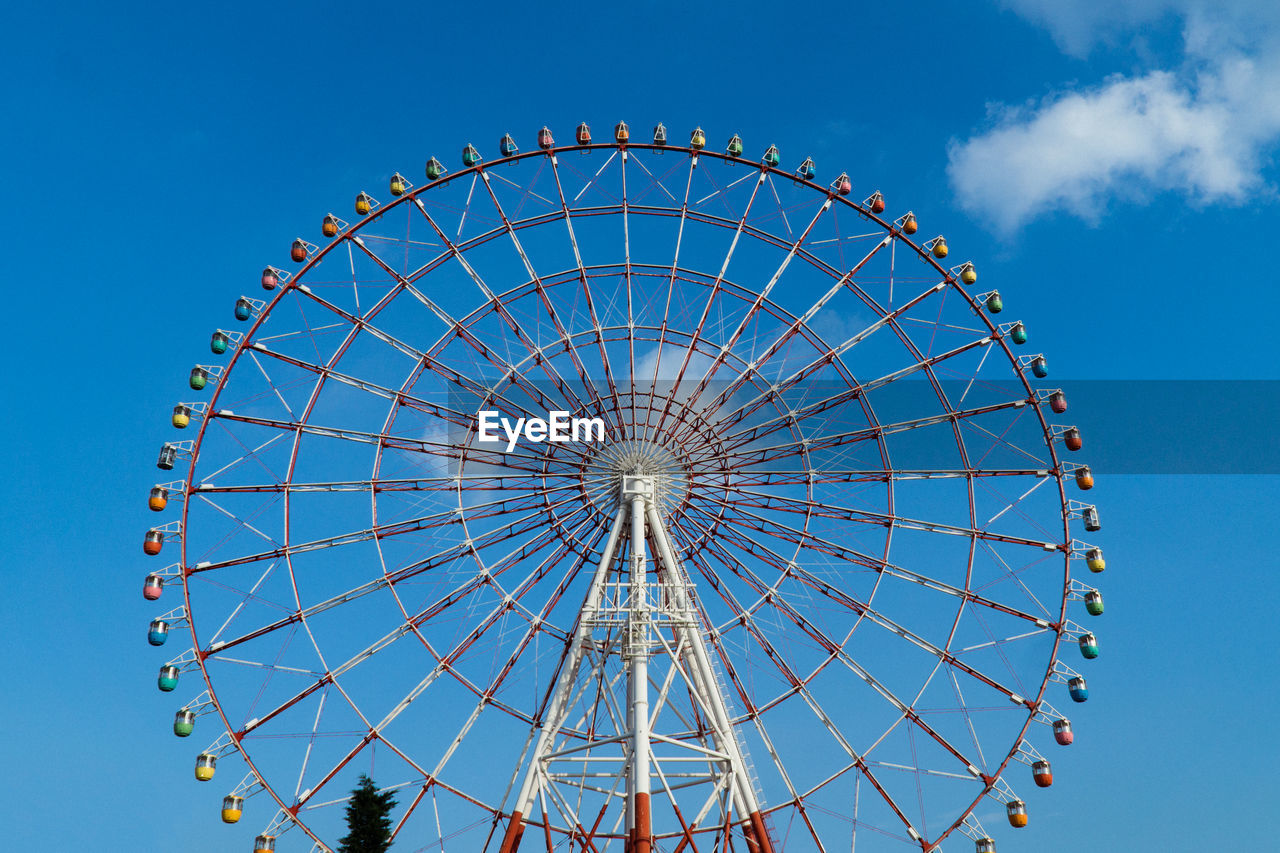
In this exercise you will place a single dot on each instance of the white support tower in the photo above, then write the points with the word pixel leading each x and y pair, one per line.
pixel 638 725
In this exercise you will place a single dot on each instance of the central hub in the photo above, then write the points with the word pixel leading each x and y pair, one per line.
pixel 625 468
pixel 637 486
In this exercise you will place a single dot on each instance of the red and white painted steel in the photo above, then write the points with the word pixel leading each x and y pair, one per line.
pixel 848 542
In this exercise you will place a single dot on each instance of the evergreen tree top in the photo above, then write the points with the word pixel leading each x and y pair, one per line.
pixel 368 819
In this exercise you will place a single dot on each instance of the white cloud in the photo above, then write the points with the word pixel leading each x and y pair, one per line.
pixel 1209 27
pixel 1078 26
pixel 1203 130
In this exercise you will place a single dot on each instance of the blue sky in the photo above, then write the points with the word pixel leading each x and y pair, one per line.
pixel 1113 170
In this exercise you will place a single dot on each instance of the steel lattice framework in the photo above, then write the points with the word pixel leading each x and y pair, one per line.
pixel 810 589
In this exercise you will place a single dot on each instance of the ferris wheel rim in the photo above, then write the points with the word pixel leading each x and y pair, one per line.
pixel 480 168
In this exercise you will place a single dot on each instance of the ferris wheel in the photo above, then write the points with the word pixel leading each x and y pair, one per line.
pixel 625 496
